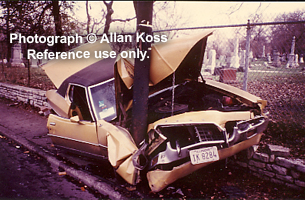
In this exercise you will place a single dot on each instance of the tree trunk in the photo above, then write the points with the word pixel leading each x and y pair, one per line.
pixel 108 16
pixel 88 17
pixel 58 26
pixel 9 45
pixel 141 72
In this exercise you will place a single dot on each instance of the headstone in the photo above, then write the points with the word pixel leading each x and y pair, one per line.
pixel 34 63
pixel 276 59
pixel 212 61
pixel 296 60
pixel 301 59
pixel 269 58
pixel 205 58
pixel 43 61
pixel 264 52
pixel 16 56
pixel 228 61
pixel 235 58
pixel 222 60
pixel 292 58
pixel 283 58
pixel 3 61
pixel 251 56
pixel 242 61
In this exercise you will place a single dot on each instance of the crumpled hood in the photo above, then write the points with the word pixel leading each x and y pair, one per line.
pixel 183 56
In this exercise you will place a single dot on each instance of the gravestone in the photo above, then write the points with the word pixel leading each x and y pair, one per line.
pixel 228 61
pixel 16 56
pixel 301 59
pixel 251 56
pixel 282 58
pixel 205 59
pixel 212 61
pixel 264 52
pixel 242 61
pixel 296 60
pixel 42 62
pixel 235 58
pixel 276 59
pixel 34 63
pixel 292 58
pixel 222 60
pixel 269 58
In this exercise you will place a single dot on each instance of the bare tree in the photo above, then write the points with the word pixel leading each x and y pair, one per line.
pixel 108 15
pixel 88 17
pixel 58 25
pixel 281 35
pixel 166 16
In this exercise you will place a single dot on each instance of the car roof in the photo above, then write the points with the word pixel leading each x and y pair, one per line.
pixel 97 72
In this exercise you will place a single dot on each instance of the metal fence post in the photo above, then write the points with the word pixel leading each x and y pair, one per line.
pixel 245 81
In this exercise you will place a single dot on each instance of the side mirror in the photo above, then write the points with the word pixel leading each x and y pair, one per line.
pixel 75 119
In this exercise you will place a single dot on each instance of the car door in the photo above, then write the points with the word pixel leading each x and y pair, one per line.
pixel 78 132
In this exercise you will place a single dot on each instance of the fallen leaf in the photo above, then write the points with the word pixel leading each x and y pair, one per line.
pixel 62 173
pixel 131 188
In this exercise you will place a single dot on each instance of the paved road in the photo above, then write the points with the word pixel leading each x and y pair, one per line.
pixel 28 128
pixel 26 176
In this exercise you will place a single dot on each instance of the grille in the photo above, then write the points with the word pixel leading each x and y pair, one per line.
pixel 208 133
pixel 191 134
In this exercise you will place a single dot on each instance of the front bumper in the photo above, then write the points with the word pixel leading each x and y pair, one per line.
pixel 159 179
pixel 244 130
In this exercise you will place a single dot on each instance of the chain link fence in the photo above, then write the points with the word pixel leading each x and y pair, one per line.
pixel 267 60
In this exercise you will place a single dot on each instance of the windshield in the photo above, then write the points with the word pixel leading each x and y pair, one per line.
pixel 103 99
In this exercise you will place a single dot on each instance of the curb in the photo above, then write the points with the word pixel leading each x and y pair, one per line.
pixel 89 180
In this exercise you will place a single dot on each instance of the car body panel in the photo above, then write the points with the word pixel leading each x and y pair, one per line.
pixel 59 104
pixel 163 62
pixel 78 135
pixel 159 179
pixel 121 147
pixel 236 92
pixel 209 116
pixel 174 75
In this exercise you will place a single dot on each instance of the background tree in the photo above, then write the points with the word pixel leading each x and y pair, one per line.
pixel 36 17
pixel 282 34
pixel 166 16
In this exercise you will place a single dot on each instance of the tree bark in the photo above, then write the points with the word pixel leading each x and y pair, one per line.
pixel 108 16
pixel 9 45
pixel 58 26
pixel 141 72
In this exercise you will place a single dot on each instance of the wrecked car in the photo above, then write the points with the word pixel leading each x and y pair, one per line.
pixel 192 122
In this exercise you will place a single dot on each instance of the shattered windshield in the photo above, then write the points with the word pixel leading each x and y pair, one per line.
pixel 103 100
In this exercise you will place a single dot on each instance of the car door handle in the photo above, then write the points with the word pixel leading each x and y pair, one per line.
pixel 52 123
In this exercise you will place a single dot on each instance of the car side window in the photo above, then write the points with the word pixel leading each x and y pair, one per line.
pixel 79 103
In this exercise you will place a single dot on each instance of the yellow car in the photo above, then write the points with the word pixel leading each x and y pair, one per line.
pixel 192 122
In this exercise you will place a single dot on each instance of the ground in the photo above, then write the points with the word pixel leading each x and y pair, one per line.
pixel 282 88
pixel 212 182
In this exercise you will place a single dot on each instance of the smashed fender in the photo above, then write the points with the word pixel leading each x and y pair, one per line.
pixel 159 179
pixel 121 147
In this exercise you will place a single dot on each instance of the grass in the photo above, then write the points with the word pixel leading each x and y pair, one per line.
pixel 284 90
pixel 20 76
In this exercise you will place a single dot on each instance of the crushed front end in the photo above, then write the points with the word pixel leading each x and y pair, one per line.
pixel 179 147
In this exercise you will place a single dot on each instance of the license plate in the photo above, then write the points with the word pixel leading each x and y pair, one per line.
pixel 204 155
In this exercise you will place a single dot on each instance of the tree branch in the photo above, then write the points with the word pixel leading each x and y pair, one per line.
pixel 123 20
